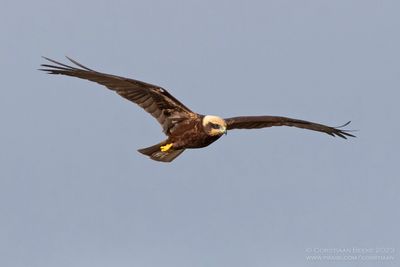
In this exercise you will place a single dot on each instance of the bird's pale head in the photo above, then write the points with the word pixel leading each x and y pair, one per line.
pixel 214 125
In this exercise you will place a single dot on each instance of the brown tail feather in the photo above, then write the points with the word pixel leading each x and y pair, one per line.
pixel 155 153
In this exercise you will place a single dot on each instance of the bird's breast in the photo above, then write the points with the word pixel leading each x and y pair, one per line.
pixel 192 135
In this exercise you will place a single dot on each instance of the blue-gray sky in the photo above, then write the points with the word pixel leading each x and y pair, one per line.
pixel 75 192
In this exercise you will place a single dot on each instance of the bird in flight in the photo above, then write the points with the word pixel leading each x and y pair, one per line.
pixel 184 128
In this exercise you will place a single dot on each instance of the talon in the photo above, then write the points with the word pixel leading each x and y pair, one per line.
pixel 166 147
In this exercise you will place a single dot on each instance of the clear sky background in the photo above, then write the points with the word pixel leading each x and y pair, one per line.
pixel 75 192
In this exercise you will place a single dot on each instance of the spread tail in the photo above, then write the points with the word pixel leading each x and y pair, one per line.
pixel 155 153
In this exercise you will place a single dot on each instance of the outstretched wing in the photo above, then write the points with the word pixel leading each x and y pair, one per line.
pixel 256 122
pixel 155 100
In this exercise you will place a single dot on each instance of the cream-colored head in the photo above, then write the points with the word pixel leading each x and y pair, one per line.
pixel 214 125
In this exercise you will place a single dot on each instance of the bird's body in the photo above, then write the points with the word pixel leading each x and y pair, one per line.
pixel 184 128
pixel 191 134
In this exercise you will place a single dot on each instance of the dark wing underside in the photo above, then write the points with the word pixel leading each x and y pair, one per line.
pixel 155 100
pixel 256 122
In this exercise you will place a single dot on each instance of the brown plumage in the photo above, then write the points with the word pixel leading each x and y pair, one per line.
pixel 183 127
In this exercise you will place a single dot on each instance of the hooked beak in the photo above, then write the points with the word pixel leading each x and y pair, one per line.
pixel 224 130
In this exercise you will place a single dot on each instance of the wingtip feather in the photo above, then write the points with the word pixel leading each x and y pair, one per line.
pixel 78 64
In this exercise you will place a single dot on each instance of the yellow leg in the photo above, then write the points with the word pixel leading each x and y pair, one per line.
pixel 166 147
